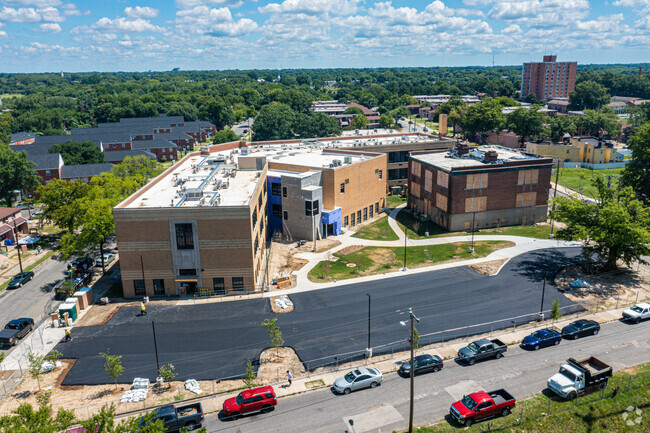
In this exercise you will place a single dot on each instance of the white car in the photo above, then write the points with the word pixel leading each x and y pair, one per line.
pixel 637 313
pixel 108 257
pixel 358 379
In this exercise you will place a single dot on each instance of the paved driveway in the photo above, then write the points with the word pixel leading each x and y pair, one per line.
pixel 215 340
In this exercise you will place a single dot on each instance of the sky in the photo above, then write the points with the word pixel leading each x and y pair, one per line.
pixel 141 35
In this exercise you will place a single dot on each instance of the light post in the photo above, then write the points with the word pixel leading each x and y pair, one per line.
pixel 369 350
pixel 144 284
pixel 155 346
pixel 412 378
pixel 541 308
pixel 557 176
pixel 20 261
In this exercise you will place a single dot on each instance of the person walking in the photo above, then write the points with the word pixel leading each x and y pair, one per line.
pixel 68 337
pixel 143 309
pixel 289 377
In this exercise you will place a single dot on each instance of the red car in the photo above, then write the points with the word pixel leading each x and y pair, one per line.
pixel 482 405
pixel 260 399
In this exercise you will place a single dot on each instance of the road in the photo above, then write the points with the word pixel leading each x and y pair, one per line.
pixel 522 373
pixel 215 340
pixel 242 126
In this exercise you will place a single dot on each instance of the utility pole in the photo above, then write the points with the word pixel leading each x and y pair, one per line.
pixel 541 307
pixel 405 238
pixel 20 261
pixel 144 284
pixel 368 350
pixel 155 346
pixel 557 176
pixel 412 368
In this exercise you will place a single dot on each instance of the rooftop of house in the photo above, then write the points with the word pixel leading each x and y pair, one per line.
pixel 476 157
pixel 116 156
pixel 19 136
pixel 85 170
pixel 8 211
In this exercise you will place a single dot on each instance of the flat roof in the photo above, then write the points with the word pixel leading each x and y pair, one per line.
pixel 450 160
pixel 316 158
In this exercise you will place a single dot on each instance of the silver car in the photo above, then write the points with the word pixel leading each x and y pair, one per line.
pixel 358 379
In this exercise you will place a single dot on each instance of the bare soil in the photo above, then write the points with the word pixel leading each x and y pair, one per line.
pixel 351 249
pixel 283 262
pixel 321 246
pixel 274 364
pixel 277 309
pixel 100 314
pixel 488 268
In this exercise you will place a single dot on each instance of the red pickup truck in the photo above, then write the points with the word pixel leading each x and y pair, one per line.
pixel 482 405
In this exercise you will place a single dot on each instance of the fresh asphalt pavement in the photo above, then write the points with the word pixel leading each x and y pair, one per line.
pixel 386 408
pixel 215 340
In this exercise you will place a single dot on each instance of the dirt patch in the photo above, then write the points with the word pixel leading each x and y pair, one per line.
pixel 381 256
pixel 100 314
pixel 283 262
pixel 279 310
pixel 351 249
pixel 274 364
pixel 314 384
pixel 488 268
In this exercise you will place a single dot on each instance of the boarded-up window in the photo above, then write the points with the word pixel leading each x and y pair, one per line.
pixel 443 179
pixel 415 190
pixel 441 202
pixel 477 181
pixel 526 199
pixel 528 177
pixel 428 181
pixel 475 204
pixel 415 168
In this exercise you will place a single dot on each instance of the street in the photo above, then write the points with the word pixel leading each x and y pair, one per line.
pixel 522 373
pixel 215 340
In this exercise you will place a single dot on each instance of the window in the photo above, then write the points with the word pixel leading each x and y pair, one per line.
pixel 353 220
pixel 415 189
pixel 397 173
pixel 238 283
pixel 284 191
pixel 441 202
pixel 381 174
pixel 138 285
pixel 256 246
pixel 477 181
pixel 475 204
pixel 184 236
pixel 346 221
pixel 358 217
pixel 370 210
pixel 276 210
pixel 365 214
pixel 400 156
pixel 187 272
pixel 158 287
pixel 259 200
pixel 343 188
pixel 443 179
pixel 48 173
pixel 528 177
pixel 526 199
pixel 275 189
pixel 428 181
pixel 218 285
pixel 254 217
pixel 415 168
pixel 311 208
pixel 286 215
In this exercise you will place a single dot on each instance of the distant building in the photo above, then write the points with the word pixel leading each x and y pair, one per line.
pixel 491 186
pixel 11 224
pixel 591 150
pixel 22 138
pixel 559 105
pixel 548 79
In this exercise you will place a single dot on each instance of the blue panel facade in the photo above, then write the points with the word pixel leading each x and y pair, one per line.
pixel 274 221
pixel 331 220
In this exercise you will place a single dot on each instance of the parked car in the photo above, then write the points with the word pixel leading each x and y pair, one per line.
pixel 358 379
pixel 15 330
pixel 254 400
pixel 108 257
pixel 637 312
pixel 542 338
pixel 83 263
pixel 421 364
pixel 175 418
pixel 482 405
pixel 482 349
pixel 19 280
pixel 580 328
pixel 580 377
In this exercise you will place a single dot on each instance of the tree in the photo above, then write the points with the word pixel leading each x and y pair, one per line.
pixel 112 365
pixel 560 125
pixel 360 121
pixel 216 111
pixel 275 122
pixel 315 125
pixel 555 310
pixel 637 173
pixel 77 153
pixel 36 366
pixel 53 356
pixel 353 110
pixel 487 116
pixel 456 117
pixel 416 338
pixel 249 377
pixel 16 174
pixel 275 335
pixel 24 419
pixel 138 169
pixel 603 122
pixel 615 227
pixel 167 372
pixel 225 136
pixel 453 103
pixel 526 123
pixel 59 199
pixel 386 121
pixel 588 95
pixel 104 422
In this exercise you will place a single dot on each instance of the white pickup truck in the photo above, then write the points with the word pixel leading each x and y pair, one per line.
pixel 637 313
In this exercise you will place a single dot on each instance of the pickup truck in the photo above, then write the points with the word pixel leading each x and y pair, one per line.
pixel 482 349
pixel 15 330
pixel 580 377
pixel 482 405
pixel 175 418
pixel 637 312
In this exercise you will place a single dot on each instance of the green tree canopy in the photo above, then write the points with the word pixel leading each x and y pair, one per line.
pixel 16 174
pixel 386 121
pixel 359 121
pixel 602 123
pixel 637 173
pixel 560 125
pixel 526 122
pixel 24 419
pixel 77 153
pixel 615 227
pixel 274 122
pixel 588 95
pixel 353 110
pixel 225 136
pixel 316 125
pixel 487 116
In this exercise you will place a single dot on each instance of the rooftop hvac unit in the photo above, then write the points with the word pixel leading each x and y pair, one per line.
pixel 348 160
pixel 337 163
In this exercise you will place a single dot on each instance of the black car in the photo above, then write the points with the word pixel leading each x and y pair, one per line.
pixel 83 264
pixel 580 328
pixel 422 363
pixel 20 279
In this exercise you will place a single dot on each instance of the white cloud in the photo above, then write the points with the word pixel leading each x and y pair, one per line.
pixel 141 12
pixel 70 9
pixel 512 29
pixel 22 15
pixel 37 3
pixel 631 3
pixel 50 28
pixel 126 41
pixel 3 34
pixel 189 4
pixel 336 7
pixel 51 14
pixel 124 25
pixel 643 23
pixel 540 13
pixel 215 22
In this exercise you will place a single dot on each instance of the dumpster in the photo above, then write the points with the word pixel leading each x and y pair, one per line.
pixel 71 309
pixel 89 291
pixel 82 299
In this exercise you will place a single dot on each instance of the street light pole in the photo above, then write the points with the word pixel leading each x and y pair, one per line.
pixel 155 345
pixel 541 308
pixel 412 368
pixel 557 176
pixel 144 283
pixel 369 300
pixel 20 261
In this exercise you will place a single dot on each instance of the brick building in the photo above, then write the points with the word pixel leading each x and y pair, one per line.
pixel 548 79
pixel 11 224
pixel 492 186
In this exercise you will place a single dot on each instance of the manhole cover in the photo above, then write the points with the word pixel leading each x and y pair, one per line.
pixel 351 265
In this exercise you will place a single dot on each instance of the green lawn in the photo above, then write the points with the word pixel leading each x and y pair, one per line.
pixel 379 260
pixel 591 415
pixel 392 201
pixel 417 229
pixel 377 230
pixel 576 178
